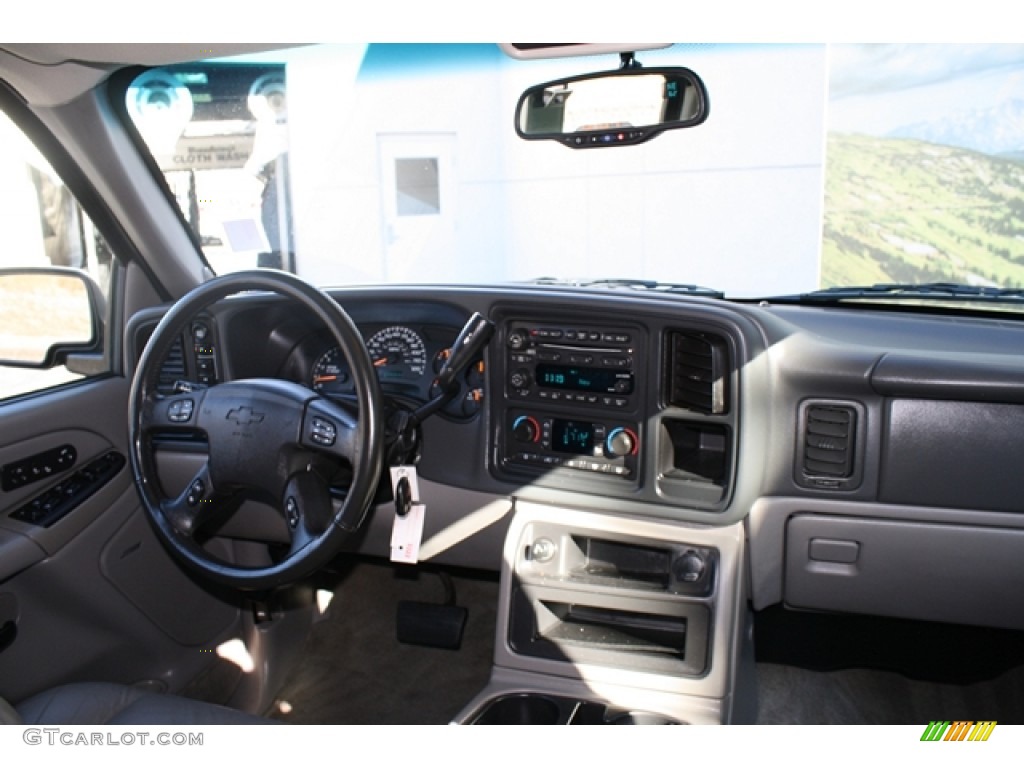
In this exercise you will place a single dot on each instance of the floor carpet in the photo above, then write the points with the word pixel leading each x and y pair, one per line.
pixel 811 668
pixel 354 669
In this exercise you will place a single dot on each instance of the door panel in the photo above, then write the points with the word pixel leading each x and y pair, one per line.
pixel 93 596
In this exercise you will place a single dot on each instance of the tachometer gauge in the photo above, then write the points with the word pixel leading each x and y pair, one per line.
pixel 331 373
pixel 397 352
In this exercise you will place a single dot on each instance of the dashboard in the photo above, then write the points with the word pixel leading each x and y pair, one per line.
pixel 868 455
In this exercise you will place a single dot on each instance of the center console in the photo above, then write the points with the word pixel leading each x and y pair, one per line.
pixel 607 619
pixel 613 609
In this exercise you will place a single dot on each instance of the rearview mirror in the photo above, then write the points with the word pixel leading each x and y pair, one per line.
pixel 625 106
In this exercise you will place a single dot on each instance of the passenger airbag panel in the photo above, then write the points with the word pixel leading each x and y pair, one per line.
pixel 953 454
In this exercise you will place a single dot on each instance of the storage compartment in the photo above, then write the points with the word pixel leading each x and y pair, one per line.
pixel 586 626
pixel 678 568
pixel 930 571
pixel 619 561
pixel 665 637
pixel 693 460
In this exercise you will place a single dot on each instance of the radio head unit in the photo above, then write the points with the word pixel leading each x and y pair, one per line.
pixel 571 364
pixel 573 396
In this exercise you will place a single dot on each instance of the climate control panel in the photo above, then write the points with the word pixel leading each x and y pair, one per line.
pixel 544 442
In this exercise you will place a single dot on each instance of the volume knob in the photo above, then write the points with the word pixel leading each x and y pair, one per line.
pixel 516 340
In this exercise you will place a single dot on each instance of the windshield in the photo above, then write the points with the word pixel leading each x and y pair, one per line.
pixel 818 166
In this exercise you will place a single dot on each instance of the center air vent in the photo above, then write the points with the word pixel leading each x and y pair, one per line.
pixel 697 371
pixel 827 445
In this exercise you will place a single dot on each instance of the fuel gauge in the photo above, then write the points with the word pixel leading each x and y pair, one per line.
pixel 330 373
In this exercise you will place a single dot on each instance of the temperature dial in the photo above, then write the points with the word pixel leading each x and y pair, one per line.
pixel 620 442
pixel 525 429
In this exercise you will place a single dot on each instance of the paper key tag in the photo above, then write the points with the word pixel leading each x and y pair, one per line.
pixel 407 534
pixel 407 530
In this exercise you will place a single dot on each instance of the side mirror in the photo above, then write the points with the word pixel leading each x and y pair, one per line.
pixel 603 109
pixel 47 314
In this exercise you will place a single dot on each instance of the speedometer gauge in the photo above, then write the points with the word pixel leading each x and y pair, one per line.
pixel 397 352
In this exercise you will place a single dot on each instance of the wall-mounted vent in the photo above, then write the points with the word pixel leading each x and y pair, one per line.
pixel 828 445
pixel 697 367
pixel 173 368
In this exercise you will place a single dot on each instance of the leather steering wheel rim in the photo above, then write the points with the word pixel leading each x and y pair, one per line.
pixel 254 416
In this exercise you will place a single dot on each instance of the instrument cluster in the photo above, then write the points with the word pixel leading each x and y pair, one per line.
pixel 407 360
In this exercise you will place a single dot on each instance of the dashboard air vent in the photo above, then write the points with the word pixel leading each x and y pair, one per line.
pixel 828 441
pixel 173 368
pixel 697 371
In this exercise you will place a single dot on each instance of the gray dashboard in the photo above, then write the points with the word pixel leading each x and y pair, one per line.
pixel 870 454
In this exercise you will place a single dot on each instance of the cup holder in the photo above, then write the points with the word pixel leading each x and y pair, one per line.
pixel 524 709
pixel 538 709
pixel 641 718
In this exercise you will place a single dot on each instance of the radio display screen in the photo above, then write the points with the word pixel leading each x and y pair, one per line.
pixel 584 379
pixel 572 436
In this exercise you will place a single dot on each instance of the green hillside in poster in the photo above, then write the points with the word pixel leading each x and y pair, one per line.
pixel 900 210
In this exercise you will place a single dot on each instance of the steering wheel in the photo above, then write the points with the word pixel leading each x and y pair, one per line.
pixel 268 440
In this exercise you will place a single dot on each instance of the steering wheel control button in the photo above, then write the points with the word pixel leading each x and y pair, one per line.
pixel 180 411
pixel 195 493
pixel 291 511
pixel 323 432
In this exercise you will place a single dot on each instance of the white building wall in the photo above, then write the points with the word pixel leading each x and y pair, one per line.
pixel 735 203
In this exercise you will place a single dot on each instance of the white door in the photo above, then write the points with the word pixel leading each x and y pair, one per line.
pixel 418 187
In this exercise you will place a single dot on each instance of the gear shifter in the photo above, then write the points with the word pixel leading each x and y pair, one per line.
pixel 404 425
pixel 472 339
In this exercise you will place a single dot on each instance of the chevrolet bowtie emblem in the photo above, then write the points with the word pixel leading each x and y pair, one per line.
pixel 244 416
